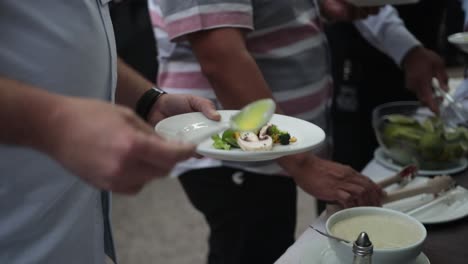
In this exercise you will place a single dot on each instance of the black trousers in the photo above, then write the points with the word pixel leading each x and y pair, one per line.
pixel 252 217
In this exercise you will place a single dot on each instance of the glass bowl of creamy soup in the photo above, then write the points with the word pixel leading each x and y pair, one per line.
pixel 396 237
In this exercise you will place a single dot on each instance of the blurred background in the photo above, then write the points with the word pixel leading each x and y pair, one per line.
pixel 159 225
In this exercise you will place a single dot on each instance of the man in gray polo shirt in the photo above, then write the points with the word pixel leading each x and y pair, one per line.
pixel 57 66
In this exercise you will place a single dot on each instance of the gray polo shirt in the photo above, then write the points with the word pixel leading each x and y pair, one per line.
pixel 48 215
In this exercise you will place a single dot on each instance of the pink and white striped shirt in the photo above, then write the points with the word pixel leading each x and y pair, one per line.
pixel 284 37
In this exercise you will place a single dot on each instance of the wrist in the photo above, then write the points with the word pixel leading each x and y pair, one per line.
pixel 147 101
pixel 294 164
pixel 45 125
pixel 407 58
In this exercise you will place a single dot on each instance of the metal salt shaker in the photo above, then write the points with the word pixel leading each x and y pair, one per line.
pixel 363 249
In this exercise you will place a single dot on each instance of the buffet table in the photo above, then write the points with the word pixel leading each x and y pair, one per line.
pixel 446 243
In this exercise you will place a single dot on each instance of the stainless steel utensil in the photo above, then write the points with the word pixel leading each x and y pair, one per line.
pixel 330 236
pixel 452 112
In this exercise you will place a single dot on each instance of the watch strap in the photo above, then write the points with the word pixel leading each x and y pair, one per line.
pixel 147 100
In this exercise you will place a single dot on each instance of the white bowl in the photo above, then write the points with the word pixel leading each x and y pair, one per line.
pixel 460 40
pixel 404 254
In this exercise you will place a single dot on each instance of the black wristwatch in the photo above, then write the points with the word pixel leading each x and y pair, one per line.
pixel 147 100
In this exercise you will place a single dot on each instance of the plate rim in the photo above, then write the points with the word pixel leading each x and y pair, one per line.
pixel 379 153
pixel 448 220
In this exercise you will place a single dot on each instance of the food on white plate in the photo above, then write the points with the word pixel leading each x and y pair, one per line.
pixel 263 140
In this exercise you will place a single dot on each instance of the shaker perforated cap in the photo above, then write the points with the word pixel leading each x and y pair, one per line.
pixel 363 246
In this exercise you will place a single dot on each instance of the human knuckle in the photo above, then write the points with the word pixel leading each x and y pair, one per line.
pixel 345 196
pixel 361 191
pixel 348 199
pixel 127 145
pixel 114 171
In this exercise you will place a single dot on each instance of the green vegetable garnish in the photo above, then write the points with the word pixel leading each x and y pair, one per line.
pixel 401 119
pixel 284 139
pixel 273 130
pixel 218 143
pixel 230 138
pixel 279 136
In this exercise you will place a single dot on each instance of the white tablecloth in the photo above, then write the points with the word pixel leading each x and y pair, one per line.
pixel 307 240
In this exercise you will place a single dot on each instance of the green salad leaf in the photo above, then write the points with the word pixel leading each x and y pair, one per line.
pixel 219 143
pixel 230 138
pixel 426 141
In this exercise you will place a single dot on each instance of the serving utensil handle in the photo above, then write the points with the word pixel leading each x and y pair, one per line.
pixel 402 194
pixel 434 186
pixel 389 181
pixel 404 176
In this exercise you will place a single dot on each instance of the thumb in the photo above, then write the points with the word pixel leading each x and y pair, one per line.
pixel 207 107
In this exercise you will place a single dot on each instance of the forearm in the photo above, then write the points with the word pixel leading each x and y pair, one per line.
pixel 237 80
pixel 295 164
pixel 130 85
pixel 231 70
pixel 27 115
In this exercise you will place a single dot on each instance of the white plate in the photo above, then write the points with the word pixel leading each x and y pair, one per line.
pixel 460 40
pixel 387 162
pixel 320 252
pixel 185 126
pixel 451 206
pixel 381 2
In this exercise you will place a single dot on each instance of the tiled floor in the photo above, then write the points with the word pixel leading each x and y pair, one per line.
pixel 160 226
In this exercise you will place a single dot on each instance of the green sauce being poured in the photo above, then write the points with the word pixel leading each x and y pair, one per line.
pixel 254 115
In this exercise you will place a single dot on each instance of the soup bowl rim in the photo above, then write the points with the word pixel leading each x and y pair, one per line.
pixel 369 210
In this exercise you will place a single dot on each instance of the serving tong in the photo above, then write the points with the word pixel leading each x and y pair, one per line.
pixel 452 112
pixel 437 186
pixel 402 178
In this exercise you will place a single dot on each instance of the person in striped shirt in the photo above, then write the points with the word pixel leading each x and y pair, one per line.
pixel 237 51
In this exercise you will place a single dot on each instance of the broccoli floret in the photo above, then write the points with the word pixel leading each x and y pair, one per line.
pixel 284 138
pixel 273 130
